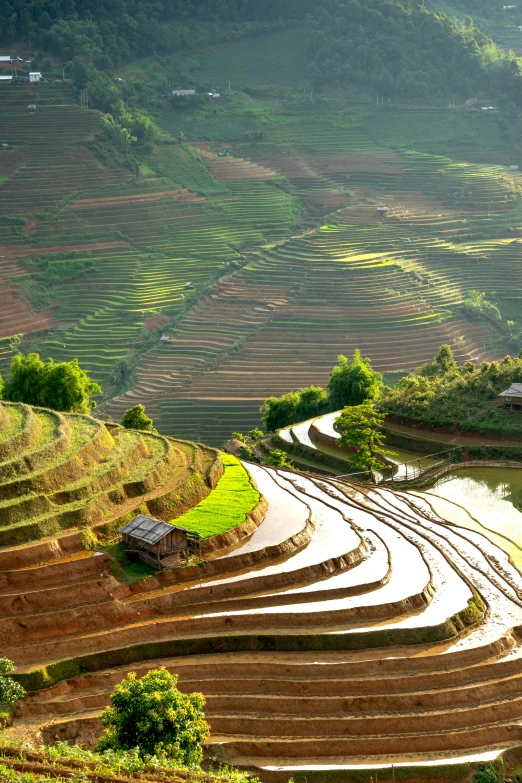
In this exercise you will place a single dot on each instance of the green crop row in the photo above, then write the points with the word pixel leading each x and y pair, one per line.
pixel 228 504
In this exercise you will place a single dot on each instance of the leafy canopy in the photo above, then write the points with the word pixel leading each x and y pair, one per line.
pixel 442 394
pixel 136 419
pixel 62 386
pixel 360 428
pixel 353 382
pixel 151 714
pixel 10 690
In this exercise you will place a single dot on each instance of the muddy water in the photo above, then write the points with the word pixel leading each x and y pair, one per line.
pixel 481 499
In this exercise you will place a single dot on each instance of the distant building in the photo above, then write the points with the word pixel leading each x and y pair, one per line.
pixel 157 543
pixel 35 76
pixel 383 211
pixel 164 338
pixel 183 92
pixel 189 286
pixel 512 397
pixel 32 107
pixel 6 78
pixel 214 94
pixel 514 168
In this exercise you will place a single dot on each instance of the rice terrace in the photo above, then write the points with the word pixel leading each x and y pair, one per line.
pixel 260 391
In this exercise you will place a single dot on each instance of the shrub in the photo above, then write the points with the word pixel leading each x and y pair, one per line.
pixel 477 452
pixel 10 690
pixel 136 419
pixel 150 713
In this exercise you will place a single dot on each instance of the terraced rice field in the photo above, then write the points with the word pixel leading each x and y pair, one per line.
pixel 279 292
pixel 339 627
pixel 389 287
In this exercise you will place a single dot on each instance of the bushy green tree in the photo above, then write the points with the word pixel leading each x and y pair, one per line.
pixel 442 394
pixel 279 412
pixel 278 458
pixel 443 364
pixel 360 428
pixel 10 690
pixel 151 714
pixel 313 401
pixel 136 419
pixel 62 386
pixel 353 382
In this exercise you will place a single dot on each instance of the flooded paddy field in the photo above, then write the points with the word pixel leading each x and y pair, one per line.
pixel 481 499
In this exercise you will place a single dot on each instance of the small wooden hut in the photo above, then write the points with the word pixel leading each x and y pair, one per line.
pixel 512 397
pixel 157 543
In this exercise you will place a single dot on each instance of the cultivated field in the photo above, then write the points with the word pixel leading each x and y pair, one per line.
pixel 298 625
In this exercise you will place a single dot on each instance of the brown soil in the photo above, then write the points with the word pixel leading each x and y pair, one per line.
pixel 151 324
pixel 31 225
pixel 184 196
pixel 10 161
pixel 24 251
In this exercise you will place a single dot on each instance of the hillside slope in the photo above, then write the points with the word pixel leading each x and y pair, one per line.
pixel 298 625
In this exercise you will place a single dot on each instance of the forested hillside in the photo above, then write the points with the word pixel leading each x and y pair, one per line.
pixel 394 46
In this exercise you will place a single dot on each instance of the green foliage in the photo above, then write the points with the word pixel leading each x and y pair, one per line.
pixel 487 773
pixel 227 505
pixel 136 419
pixel 239 436
pixel 443 364
pixel 477 306
pixel 353 382
pixel 441 394
pixel 152 715
pixel 403 49
pixel 62 386
pixel 278 458
pixel 116 134
pixel 296 406
pixel 278 412
pixel 256 433
pixel 10 690
pixel 360 428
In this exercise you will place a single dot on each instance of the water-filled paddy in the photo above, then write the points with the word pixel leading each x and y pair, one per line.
pixel 481 499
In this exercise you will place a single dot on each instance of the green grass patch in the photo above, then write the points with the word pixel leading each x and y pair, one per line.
pixel 227 505
pixel 125 567
pixel 182 164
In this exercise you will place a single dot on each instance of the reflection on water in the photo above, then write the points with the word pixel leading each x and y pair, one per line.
pixel 486 494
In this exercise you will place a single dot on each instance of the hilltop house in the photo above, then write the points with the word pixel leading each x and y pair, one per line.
pixel 512 397
pixel 35 76
pixel 183 92
pixel 157 543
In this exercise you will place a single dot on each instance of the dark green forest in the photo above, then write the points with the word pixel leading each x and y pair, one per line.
pixel 399 48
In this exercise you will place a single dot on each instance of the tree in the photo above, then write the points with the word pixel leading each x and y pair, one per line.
pixel 62 386
pixel 136 419
pixel 443 364
pixel 313 401
pixel 279 412
pixel 278 458
pixel 353 382
pixel 151 714
pixel 360 427
pixel 10 690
